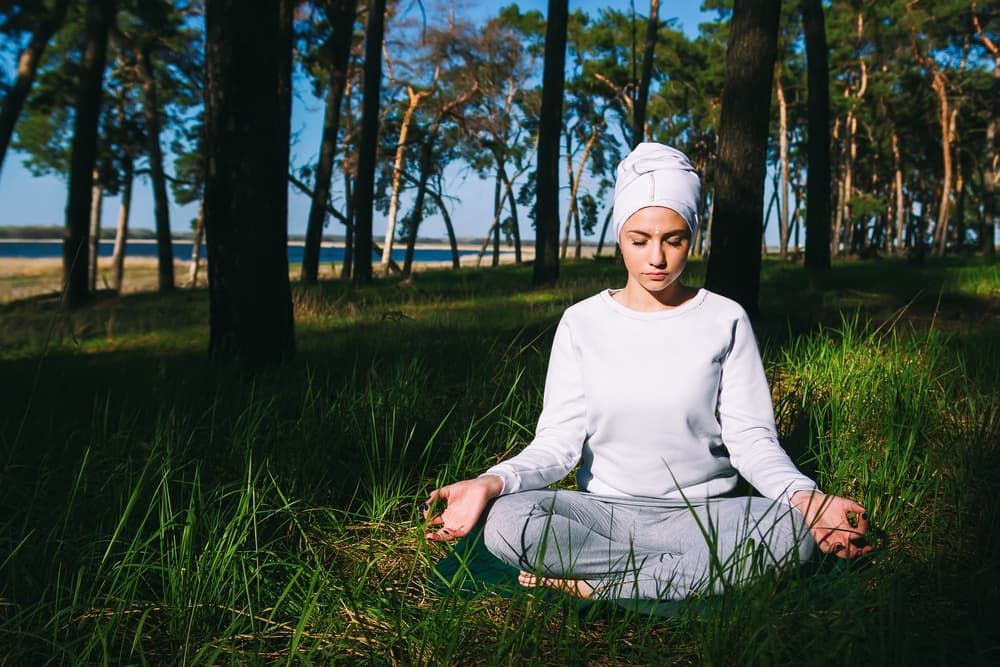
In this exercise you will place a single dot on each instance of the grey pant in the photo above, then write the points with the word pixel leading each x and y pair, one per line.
pixel 637 548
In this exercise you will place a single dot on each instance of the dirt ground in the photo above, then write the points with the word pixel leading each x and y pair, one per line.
pixel 22 278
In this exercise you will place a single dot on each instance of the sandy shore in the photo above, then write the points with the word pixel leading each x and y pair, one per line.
pixel 21 278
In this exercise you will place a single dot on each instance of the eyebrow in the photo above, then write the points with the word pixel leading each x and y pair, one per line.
pixel 676 232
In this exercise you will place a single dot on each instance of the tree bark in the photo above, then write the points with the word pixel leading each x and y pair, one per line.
pixel 990 174
pixel 161 209
pixel 546 268
pixel 100 15
pixel 734 262
pixel 27 68
pixel 247 133
pixel 639 111
pixel 397 174
pixel 121 231
pixel 96 204
pixel 897 185
pixel 364 186
pixel 783 166
pixel 342 14
pixel 196 241
pixel 818 128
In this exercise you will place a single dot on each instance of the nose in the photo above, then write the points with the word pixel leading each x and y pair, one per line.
pixel 657 257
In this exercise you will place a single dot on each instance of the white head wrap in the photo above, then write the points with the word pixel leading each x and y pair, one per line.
pixel 656 175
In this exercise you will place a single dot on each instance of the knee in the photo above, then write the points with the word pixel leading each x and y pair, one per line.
pixel 503 526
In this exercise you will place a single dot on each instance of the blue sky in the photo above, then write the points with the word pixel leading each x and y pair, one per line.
pixel 28 200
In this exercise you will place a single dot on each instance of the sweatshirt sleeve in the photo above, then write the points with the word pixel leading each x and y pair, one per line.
pixel 747 418
pixel 558 442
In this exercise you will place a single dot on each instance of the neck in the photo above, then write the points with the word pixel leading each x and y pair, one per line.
pixel 638 298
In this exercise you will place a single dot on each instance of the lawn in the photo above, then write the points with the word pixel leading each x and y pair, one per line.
pixel 154 509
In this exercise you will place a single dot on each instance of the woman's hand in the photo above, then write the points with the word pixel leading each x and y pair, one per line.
pixel 464 503
pixel 835 522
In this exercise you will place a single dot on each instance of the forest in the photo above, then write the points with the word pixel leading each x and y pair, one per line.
pixel 230 471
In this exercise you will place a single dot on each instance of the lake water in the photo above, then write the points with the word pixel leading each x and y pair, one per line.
pixel 182 251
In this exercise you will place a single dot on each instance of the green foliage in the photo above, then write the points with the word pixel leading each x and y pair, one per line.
pixel 155 510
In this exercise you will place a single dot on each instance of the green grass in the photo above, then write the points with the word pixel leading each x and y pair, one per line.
pixel 153 510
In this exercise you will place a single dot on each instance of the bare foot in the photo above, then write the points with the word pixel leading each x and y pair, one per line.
pixel 575 587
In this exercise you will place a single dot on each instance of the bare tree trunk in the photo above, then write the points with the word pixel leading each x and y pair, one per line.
pixel 121 231
pixel 784 166
pixel 940 83
pixel 639 112
pixel 604 231
pixel 397 174
pixel 572 197
pixel 546 267
pixel 515 224
pixel 97 202
pixel 991 174
pixel 196 241
pixel 818 185
pixel 248 55
pixel 27 68
pixel 734 263
pixel 161 209
pixel 452 241
pixel 897 185
pixel 100 15
pixel 341 14
pixel 364 190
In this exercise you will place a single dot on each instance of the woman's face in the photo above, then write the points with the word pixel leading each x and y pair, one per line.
pixel 655 242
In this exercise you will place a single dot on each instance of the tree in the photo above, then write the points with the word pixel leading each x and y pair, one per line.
pixel 734 262
pixel 247 133
pixel 639 122
pixel 333 59
pixel 364 187
pixel 992 171
pixel 818 185
pixel 546 269
pixel 47 23
pixel 100 15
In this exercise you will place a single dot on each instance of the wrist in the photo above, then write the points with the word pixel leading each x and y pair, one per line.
pixel 493 483
pixel 803 499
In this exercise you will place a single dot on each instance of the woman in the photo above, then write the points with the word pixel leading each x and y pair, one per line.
pixel 658 388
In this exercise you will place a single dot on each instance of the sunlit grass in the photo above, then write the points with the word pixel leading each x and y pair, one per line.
pixel 155 511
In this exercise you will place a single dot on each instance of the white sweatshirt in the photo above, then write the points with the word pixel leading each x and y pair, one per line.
pixel 665 405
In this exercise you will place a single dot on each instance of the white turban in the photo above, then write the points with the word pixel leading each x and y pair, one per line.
pixel 656 175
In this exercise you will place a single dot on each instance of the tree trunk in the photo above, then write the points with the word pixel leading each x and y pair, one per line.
pixel 342 13
pixel 247 133
pixel 604 231
pixel 121 231
pixel 990 174
pixel 397 175
pixel 642 96
pixel 734 262
pixel 97 202
pixel 515 225
pixel 498 214
pixel 196 241
pixel 897 185
pixel 572 199
pixel 987 226
pixel 939 82
pixel 818 149
pixel 426 164
pixel 452 241
pixel 546 268
pixel 27 68
pixel 784 168
pixel 151 112
pixel 364 186
pixel 100 15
